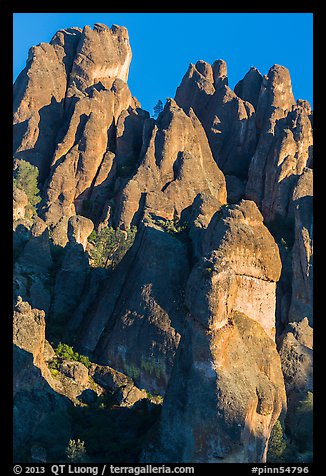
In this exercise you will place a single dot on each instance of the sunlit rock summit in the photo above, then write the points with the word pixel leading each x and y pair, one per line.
pixel 163 265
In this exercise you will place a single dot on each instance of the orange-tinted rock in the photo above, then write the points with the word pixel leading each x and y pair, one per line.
pixel 39 94
pixel 224 396
pixel 229 122
pixel 178 162
pixel 284 147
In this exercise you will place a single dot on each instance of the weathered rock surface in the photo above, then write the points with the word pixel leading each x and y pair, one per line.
pixel 39 94
pixel 136 325
pixel 229 122
pixel 29 332
pixel 226 389
pixel 79 155
pixel 284 147
pixel 123 387
pixel 79 229
pixel 102 53
pixel 241 242
pixel 249 87
pixel 43 409
pixel 224 396
pixel 20 201
pixel 73 377
pixel 296 352
pixel 178 162
pixel 189 311
pixel 302 253
pixel 36 407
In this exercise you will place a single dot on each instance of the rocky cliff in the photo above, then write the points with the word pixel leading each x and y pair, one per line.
pixel 161 265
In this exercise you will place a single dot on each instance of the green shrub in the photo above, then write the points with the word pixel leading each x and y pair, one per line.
pixel 25 178
pixel 76 451
pixel 277 444
pixel 109 246
pixel 156 398
pixel 66 352
pixel 173 227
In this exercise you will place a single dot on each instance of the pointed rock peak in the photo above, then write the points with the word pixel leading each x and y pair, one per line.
pixel 170 106
pixel 275 97
pixel 254 73
pixel 278 70
pixel 248 88
pixel 170 102
pixel 304 105
pixel 220 73
pixel 170 109
pixel 120 31
pixel 100 27
pixel 205 69
pixel 61 35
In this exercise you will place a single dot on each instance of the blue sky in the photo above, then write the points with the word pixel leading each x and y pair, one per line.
pixel 163 45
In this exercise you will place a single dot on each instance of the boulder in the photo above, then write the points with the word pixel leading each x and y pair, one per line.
pixel 224 396
pixel 237 238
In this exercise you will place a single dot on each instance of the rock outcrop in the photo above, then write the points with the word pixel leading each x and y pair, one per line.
pixel 135 328
pixel 224 396
pixel 177 164
pixel 229 122
pixel 39 95
pixel 226 390
pixel 296 352
pixel 284 147
pixel 102 53
pixel 173 253
pixel 302 253
pixel 238 239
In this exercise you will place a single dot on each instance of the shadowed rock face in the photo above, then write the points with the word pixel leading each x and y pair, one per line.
pixel 136 327
pixel 229 122
pixel 39 95
pixel 284 147
pixel 296 351
pixel 226 390
pixel 219 187
pixel 248 88
pixel 302 260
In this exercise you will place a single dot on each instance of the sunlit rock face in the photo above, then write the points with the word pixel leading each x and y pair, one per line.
pixel 173 253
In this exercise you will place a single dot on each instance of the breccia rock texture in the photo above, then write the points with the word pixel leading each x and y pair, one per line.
pixel 163 269
pixel 302 266
pixel 238 239
pixel 224 396
pixel 284 147
pixel 232 387
pixel 228 120
pixel 177 162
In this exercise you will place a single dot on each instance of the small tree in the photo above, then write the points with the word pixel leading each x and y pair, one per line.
pixel 25 178
pixel 277 444
pixel 157 109
pixel 76 451
pixel 109 246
